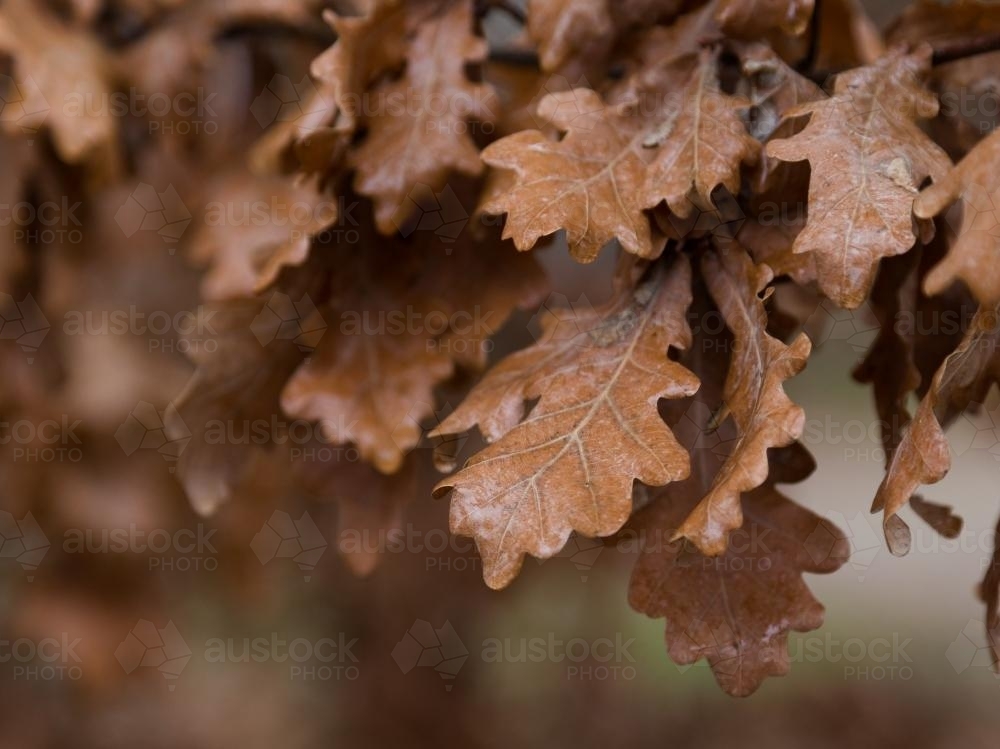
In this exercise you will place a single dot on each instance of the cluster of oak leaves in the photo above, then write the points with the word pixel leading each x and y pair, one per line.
pixel 672 128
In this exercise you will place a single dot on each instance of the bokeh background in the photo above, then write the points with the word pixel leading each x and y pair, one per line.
pixel 901 657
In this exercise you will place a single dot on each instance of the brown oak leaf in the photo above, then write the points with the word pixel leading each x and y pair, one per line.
pixel 367 46
pixel 645 147
pixel 989 592
pixel 868 159
pixel 754 18
pixel 584 31
pixel 700 145
pixel 369 504
pixel 237 382
pixel 570 463
pixel 923 456
pixel 252 227
pixel 975 256
pixel 431 137
pixel 396 330
pixel 754 396
pixel 59 73
pixel 588 183
pixel 737 609
pixel 567 28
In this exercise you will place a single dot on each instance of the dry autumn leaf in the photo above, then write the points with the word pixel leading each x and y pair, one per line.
pixel 754 396
pixel 699 147
pixel 432 136
pixel 570 462
pixel 868 159
pixel 754 18
pixel 973 258
pixel 923 456
pixel 735 610
pixel 588 183
pixel 252 227
pixel 396 331
pixel 339 279
pixel 648 146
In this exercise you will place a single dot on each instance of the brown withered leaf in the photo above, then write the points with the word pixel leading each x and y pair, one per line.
pixel 700 146
pixel 396 329
pixel 922 456
pixel 367 46
pixel 647 146
pixel 737 609
pixel 868 159
pixel 588 183
pixel 755 18
pixel 754 396
pixel 369 503
pixel 846 37
pixel 181 43
pixel 432 135
pixel 585 31
pixel 252 227
pixel 965 82
pixel 651 65
pixel 564 29
pixel 975 256
pixel 944 25
pixel 59 73
pixel 570 463
pixel 237 381
pixel 771 243
pixel 889 364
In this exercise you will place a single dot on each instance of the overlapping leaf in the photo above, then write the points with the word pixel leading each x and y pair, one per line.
pixel 699 147
pixel 252 227
pixel 975 256
pixel 737 609
pixel 614 161
pixel 400 316
pixel 754 397
pixel 570 463
pixel 868 159
pixel 422 141
pixel 922 456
